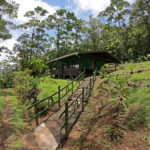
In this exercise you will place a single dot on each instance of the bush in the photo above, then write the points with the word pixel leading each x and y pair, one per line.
pixel 25 86
pixel 6 80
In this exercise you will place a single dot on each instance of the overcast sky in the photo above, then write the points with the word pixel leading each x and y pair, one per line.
pixel 81 8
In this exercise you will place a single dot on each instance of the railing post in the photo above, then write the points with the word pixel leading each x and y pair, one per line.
pixel 66 120
pixel 82 98
pixel 93 78
pixel 72 87
pixel 36 110
pixel 59 96
pixel 80 78
pixel 90 84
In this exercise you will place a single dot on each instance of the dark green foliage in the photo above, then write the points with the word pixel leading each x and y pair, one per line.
pixel 6 75
pixel 25 86
pixel 36 66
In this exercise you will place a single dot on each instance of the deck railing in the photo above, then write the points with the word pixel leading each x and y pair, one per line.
pixel 79 101
pixel 54 98
pixel 66 72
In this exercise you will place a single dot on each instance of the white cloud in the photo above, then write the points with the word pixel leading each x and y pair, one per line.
pixel 95 6
pixel 9 44
pixel 26 5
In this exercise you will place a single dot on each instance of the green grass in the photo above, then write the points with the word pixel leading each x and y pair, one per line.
pixel 143 77
pixel 1 103
pixel 48 86
pixel 141 96
pixel 17 120
pixel 124 68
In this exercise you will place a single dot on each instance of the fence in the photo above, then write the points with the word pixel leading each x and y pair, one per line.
pixel 79 101
pixel 54 98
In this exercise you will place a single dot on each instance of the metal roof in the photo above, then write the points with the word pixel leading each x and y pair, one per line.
pixel 101 55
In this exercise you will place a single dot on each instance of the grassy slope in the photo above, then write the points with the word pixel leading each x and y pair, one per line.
pixel 17 121
pixel 49 86
pixel 143 77
pixel 124 68
pixel 90 132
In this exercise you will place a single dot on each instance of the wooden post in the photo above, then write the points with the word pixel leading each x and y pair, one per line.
pixel 94 76
pixel 72 87
pixel 59 96
pixel 66 120
pixel 90 84
pixel 82 98
pixel 93 79
pixel 36 110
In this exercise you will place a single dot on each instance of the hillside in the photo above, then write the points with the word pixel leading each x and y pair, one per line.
pixel 103 125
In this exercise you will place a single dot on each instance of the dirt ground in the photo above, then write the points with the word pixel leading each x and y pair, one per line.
pixel 90 131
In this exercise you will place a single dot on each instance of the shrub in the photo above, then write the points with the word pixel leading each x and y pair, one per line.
pixel 6 80
pixel 103 71
pixel 25 86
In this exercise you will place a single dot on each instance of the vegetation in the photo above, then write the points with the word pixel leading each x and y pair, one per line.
pixel 124 35
pixel 114 124
pixel 1 104
pixel 122 29
pixel 49 86
pixel 17 120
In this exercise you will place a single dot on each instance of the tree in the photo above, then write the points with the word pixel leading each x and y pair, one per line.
pixel 140 27
pixel 9 9
pixel 57 22
pixel 36 66
pixel 32 41
pixel 115 28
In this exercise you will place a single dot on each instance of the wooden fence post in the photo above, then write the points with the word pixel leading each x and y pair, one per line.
pixel 90 84
pixel 36 110
pixel 59 96
pixel 82 98
pixel 66 120
pixel 93 79
pixel 72 87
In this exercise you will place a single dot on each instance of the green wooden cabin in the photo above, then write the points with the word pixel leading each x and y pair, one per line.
pixel 73 64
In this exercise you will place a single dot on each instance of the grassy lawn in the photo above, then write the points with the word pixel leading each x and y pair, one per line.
pixel 143 77
pixel 17 121
pixel 48 86
pixel 93 131
pixel 124 68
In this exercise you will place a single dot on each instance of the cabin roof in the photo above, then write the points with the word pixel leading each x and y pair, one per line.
pixel 105 56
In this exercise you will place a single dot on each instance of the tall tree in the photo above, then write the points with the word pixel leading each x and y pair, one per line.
pixel 32 42
pixel 9 9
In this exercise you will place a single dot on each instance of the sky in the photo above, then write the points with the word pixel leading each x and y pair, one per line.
pixel 81 8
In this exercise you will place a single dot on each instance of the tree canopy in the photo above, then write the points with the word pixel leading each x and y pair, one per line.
pixel 121 29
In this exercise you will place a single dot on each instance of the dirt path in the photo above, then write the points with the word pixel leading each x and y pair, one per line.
pixel 5 126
